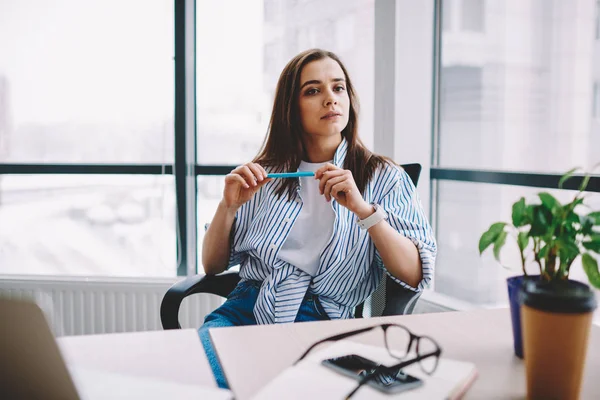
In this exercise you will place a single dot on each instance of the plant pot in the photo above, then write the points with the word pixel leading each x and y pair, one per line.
pixel 514 286
pixel 556 321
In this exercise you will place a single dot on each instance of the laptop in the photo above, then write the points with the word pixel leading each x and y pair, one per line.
pixel 32 367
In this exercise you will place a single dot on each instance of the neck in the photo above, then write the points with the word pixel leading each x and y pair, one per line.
pixel 321 149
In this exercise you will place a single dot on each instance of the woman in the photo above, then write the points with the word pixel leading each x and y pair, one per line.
pixel 314 248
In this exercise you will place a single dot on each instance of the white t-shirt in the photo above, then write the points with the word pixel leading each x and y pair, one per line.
pixel 313 227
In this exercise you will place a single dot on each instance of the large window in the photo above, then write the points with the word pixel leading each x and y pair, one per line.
pixel 95 132
pixel 517 94
pixel 239 58
pixel 87 82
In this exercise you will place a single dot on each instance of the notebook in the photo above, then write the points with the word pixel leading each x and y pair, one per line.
pixel 32 367
pixel 311 380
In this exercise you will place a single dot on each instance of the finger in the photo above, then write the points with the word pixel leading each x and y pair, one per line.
pixel 263 182
pixel 247 174
pixel 262 170
pixel 232 179
pixel 330 184
pixel 256 171
pixel 323 169
pixel 328 175
pixel 342 187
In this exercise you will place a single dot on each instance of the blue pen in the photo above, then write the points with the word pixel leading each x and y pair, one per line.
pixel 291 175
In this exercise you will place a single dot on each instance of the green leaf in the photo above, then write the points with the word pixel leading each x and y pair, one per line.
pixel 584 182
pixel 566 176
pixel 590 266
pixel 568 250
pixel 595 216
pixel 523 240
pixel 587 224
pixel 572 218
pixel 498 244
pixel 543 252
pixel 593 244
pixel 542 220
pixel 550 202
pixel 529 212
pixel 490 236
pixel 519 213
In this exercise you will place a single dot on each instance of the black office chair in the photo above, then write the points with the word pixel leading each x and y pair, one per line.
pixel 389 299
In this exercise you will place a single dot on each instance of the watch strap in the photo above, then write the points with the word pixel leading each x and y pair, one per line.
pixel 378 216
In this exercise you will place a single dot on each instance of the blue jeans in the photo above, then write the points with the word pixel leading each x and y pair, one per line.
pixel 238 310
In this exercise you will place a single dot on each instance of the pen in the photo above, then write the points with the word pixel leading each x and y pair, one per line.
pixel 291 175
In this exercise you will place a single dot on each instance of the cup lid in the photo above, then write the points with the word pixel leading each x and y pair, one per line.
pixel 570 296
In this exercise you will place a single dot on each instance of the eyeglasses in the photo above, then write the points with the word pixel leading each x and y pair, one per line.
pixel 399 341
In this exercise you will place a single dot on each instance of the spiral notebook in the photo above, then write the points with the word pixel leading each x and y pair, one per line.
pixel 309 379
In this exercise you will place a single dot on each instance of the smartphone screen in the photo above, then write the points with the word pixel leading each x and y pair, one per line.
pixel 356 367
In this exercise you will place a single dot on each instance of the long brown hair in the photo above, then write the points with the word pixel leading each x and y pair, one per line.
pixel 283 148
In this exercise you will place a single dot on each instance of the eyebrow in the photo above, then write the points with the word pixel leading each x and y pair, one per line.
pixel 317 82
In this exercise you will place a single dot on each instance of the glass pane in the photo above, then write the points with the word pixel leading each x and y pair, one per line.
pixel 90 225
pixel 237 73
pixel 86 81
pixel 517 86
pixel 465 211
pixel 210 192
pixel 447 13
pixel 473 15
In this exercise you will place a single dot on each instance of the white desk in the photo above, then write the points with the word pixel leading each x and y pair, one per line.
pixel 174 356
pixel 252 356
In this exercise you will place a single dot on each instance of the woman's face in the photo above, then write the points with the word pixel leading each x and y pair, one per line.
pixel 324 103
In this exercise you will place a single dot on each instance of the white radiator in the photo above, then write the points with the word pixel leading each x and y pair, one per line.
pixel 82 306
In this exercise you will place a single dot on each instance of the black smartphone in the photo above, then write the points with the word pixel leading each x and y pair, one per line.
pixel 355 366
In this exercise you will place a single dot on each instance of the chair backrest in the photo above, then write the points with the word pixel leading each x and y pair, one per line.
pixel 413 171
pixel 390 298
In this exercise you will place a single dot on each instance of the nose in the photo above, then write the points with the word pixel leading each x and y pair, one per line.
pixel 329 100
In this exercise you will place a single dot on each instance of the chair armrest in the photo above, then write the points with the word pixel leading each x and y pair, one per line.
pixel 220 285
pixel 398 299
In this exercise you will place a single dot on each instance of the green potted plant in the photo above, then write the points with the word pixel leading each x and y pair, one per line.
pixel 550 236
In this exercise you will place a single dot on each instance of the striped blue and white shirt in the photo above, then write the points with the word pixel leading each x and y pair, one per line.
pixel 350 266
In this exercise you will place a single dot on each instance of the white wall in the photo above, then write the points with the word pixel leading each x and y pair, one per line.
pixel 403 83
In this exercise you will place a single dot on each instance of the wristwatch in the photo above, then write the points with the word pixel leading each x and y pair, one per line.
pixel 378 216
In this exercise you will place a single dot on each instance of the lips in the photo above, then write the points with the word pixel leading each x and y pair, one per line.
pixel 331 114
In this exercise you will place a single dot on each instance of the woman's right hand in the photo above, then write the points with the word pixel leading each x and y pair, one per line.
pixel 242 183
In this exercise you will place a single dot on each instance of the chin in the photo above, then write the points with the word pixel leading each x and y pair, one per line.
pixel 327 133
pixel 332 129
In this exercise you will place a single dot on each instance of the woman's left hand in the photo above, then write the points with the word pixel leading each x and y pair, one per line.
pixel 339 184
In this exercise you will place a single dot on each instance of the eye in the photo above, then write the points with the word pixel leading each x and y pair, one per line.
pixel 339 88
pixel 311 91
